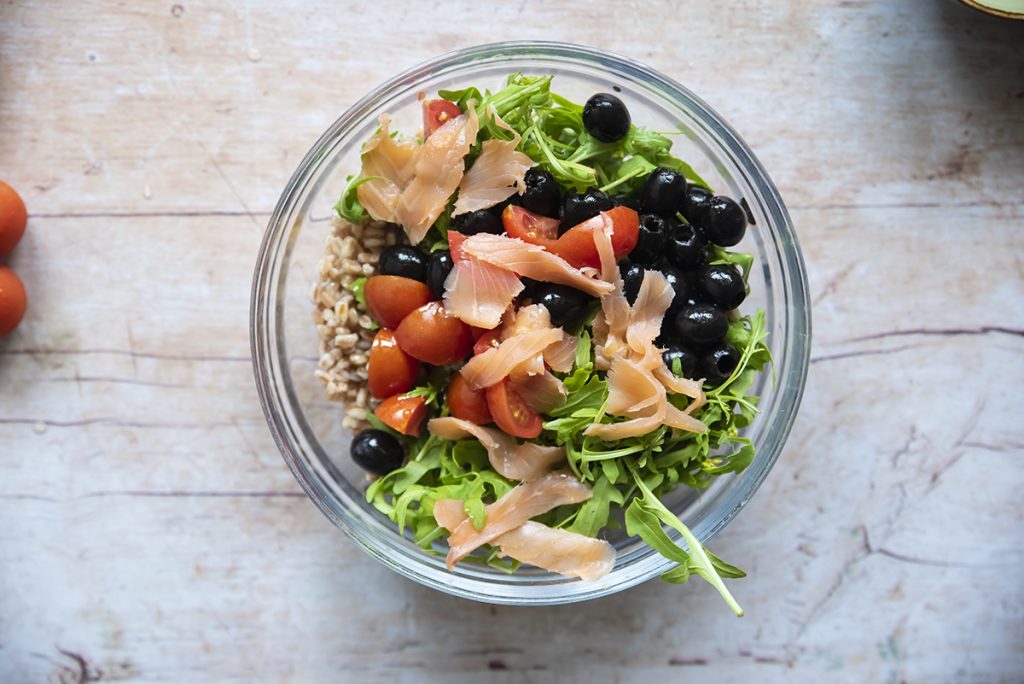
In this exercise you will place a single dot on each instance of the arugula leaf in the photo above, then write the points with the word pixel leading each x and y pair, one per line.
pixel 650 510
pixel 358 288
pixel 348 206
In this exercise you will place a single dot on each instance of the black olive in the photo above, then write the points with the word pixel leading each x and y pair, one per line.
pixel 687 359
pixel 695 203
pixel 529 287
pixel 606 117
pixel 632 278
pixel 479 221
pixel 723 285
pixel 677 280
pixel 687 248
pixel 724 222
pixel 438 268
pixel 566 305
pixel 376 451
pixel 718 363
pixel 578 208
pixel 663 192
pixel 405 261
pixel 650 244
pixel 542 194
pixel 626 201
pixel 701 325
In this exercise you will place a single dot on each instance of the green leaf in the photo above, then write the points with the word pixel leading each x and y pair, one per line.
pixel 474 508
pixel 358 288
pixel 348 206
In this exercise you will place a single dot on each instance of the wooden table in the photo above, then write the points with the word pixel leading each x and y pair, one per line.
pixel 149 531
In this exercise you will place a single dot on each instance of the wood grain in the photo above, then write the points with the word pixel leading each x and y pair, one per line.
pixel 151 532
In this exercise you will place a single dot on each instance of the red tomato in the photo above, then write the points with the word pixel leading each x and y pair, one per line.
pixel 467 403
pixel 391 370
pixel 12 219
pixel 431 335
pixel 511 413
pixel 391 298
pixel 405 414
pixel 529 227
pixel 577 245
pixel 12 301
pixel 455 240
pixel 489 339
pixel 437 113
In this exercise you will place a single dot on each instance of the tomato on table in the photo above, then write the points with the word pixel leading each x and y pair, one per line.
pixel 467 403
pixel 577 244
pixel 391 370
pixel 404 414
pixel 530 227
pixel 433 336
pixel 392 298
pixel 13 301
pixel 13 218
pixel 511 413
pixel 437 113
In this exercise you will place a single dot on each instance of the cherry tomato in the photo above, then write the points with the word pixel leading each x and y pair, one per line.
pixel 12 301
pixel 530 227
pixel 437 113
pixel 431 335
pixel 455 240
pixel 467 403
pixel 391 298
pixel 405 414
pixel 12 219
pixel 511 413
pixel 577 245
pixel 489 339
pixel 391 370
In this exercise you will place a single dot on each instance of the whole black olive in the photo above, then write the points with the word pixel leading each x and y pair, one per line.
pixel 724 222
pixel 695 203
pixel 542 194
pixel 376 451
pixel 650 245
pixel 438 268
pixel 578 208
pixel 626 201
pixel 723 285
pixel 606 117
pixel 687 248
pixel 632 278
pixel 718 363
pixel 677 280
pixel 405 261
pixel 663 192
pixel 479 221
pixel 566 305
pixel 687 359
pixel 701 325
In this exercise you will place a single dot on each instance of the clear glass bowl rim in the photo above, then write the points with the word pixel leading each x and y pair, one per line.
pixel 265 300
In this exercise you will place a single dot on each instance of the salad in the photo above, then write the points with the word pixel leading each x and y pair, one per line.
pixel 531 313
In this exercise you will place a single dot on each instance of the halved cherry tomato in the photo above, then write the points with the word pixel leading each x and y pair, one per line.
pixel 530 227
pixel 467 403
pixel 489 339
pixel 437 113
pixel 455 240
pixel 12 219
pixel 431 335
pixel 577 245
pixel 402 413
pixel 391 370
pixel 511 413
pixel 12 301
pixel 391 298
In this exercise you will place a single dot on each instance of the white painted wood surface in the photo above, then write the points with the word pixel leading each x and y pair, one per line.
pixel 149 531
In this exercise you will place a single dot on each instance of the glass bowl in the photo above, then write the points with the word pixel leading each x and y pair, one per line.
pixel 307 427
